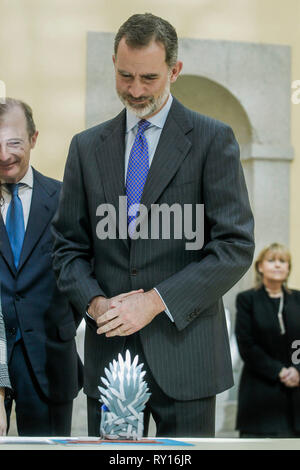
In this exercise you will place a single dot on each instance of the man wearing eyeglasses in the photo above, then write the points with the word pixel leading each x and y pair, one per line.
pixel 40 326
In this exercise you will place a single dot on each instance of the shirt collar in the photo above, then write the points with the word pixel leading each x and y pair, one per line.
pixel 28 178
pixel 157 120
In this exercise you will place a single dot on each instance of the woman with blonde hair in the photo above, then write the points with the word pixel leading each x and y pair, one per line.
pixel 267 330
pixel 4 378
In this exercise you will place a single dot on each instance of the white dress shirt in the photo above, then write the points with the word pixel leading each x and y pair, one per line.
pixel 25 195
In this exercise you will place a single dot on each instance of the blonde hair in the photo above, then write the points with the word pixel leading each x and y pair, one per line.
pixel 274 248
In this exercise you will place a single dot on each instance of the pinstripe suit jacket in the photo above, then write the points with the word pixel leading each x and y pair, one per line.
pixel 196 161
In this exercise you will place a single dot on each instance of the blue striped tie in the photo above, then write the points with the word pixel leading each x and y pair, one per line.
pixel 15 222
pixel 137 171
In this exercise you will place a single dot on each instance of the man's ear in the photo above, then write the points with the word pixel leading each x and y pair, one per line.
pixel 34 139
pixel 175 71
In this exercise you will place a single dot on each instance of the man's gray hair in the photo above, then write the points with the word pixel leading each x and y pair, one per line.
pixel 140 29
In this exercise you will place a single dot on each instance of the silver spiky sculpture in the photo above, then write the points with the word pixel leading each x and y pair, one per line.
pixel 124 399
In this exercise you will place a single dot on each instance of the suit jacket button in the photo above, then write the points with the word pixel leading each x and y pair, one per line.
pixel 133 272
pixel 193 315
pixel 17 297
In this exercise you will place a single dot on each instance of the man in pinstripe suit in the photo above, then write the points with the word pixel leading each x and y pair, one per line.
pixel 176 321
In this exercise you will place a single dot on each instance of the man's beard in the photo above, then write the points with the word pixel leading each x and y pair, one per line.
pixel 143 110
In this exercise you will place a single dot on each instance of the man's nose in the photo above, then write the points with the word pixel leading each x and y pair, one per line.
pixel 136 89
pixel 4 154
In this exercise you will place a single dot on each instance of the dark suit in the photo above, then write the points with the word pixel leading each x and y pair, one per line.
pixel 196 161
pixel 31 301
pixel 265 405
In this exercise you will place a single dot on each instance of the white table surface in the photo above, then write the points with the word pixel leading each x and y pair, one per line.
pixel 44 443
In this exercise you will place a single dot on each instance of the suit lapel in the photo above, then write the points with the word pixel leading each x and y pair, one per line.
pixel 268 310
pixel 41 211
pixel 172 149
pixel 5 247
pixel 289 310
pixel 292 313
pixel 110 155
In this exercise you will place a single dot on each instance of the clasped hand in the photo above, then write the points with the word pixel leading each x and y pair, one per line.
pixel 289 376
pixel 126 313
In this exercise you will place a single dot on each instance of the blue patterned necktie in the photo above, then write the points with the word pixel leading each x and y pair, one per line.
pixel 137 171
pixel 15 222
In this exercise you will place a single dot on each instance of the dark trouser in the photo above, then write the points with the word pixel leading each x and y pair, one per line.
pixel 173 418
pixel 35 415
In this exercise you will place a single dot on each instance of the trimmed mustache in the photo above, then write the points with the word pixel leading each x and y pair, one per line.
pixel 136 100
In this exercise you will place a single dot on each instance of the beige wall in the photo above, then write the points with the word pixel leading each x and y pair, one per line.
pixel 43 61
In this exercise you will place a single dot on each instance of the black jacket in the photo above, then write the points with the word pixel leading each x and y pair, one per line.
pixel 265 405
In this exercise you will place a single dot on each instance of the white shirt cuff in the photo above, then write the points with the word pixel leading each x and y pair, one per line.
pixel 166 309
